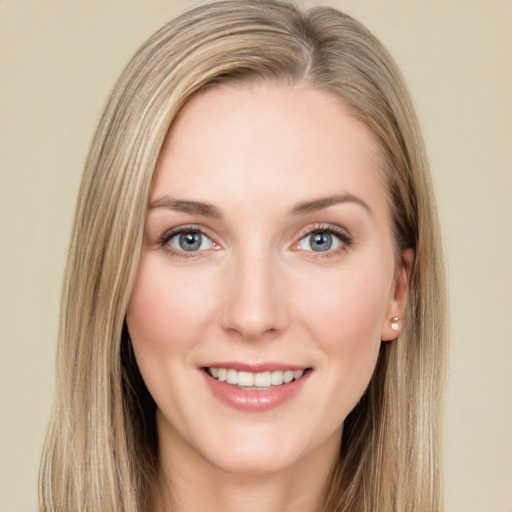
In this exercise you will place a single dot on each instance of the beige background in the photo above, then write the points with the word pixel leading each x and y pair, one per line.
pixel 58 60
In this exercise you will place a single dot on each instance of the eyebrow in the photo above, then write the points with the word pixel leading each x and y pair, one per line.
pixel 186 206
pixel 306 207
pixel 209 210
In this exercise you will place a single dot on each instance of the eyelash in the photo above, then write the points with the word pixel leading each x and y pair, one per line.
pixel 169 235
pixel 344 238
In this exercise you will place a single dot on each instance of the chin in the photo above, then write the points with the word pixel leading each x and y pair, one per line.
pixel 266 452
pixel 262 462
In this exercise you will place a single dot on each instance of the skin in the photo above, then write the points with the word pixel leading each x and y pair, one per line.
pixel 256 291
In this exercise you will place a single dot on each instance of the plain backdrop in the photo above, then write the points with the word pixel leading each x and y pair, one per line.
pixel 59 59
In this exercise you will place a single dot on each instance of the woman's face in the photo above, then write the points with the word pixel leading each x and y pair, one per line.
pixel 268 256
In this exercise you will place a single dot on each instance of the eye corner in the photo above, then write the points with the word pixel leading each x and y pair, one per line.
pixel 332 241
pixel 199 241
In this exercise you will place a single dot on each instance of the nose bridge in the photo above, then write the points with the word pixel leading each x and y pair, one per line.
pixel 255 305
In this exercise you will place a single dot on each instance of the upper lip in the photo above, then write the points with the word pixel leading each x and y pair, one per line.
pixel 255 367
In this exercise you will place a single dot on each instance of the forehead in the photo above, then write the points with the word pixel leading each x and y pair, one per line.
pixel 246 141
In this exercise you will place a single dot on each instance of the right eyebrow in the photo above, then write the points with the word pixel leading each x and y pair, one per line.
pixel 185 206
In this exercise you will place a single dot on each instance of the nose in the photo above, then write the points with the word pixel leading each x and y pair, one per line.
pixel 255 305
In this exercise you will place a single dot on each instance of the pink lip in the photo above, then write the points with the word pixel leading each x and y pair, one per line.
pixel 254 400
pixel 256 367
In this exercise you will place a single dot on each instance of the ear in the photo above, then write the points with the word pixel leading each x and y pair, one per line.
pixel 397 302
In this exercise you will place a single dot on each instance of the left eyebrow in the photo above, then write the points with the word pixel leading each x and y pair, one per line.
pixel 306 207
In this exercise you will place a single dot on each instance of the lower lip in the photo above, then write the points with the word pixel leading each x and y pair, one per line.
pixel 255 400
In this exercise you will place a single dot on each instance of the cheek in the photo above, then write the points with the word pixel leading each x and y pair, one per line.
pixel 349 309
pixel 166 310
pixel 167 317
pixel 345 319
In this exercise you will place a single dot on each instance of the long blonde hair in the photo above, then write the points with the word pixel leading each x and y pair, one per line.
pixel 101 452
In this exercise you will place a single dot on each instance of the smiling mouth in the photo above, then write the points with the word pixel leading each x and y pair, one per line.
pixel 254 381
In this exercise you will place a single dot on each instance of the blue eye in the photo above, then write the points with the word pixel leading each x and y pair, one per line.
pixel 323 240
pixel 189 241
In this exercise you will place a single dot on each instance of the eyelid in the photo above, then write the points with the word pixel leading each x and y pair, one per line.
pixel 344 237
pixel 187 228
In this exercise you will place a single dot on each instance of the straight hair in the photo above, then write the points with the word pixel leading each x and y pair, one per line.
pixel 101 452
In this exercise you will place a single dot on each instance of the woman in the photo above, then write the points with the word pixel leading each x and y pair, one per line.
pixel 254 308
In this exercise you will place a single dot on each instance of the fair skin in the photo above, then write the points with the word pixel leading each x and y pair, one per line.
pixel 268 248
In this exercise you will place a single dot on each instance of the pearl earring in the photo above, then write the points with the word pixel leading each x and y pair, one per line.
pixel 394 324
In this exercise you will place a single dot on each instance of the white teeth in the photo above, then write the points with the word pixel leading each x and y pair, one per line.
pixel 258 380
pixel 245 379
pixel 232 377
pixel 262 379
pixel 288 376
pixel 277 378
